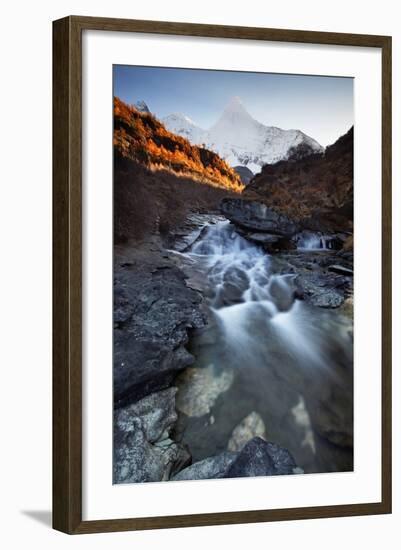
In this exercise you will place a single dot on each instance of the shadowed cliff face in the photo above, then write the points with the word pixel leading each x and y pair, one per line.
pixel 317 190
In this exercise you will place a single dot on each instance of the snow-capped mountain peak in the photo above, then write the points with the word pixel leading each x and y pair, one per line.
pixel 243 141
pixel 235 118
pixel 141 106
pixel 184 126
pixel 235 107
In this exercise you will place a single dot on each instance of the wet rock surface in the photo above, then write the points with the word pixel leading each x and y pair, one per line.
pixel 143 450
pixel 257 458
pixel 255 216
pixel 261 458
pixel 213 467
pixel 252 426
pixel 276 232
pixel 153 311
pixel 283 291
pixel 315 281
pixel 199 389
pixel 328 298
pixel 183 237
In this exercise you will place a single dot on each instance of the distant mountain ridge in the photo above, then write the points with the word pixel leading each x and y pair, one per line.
pixel 243 141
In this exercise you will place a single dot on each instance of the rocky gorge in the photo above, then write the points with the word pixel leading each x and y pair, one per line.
pixel 233 349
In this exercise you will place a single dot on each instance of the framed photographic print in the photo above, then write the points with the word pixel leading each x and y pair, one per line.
pixel 222 274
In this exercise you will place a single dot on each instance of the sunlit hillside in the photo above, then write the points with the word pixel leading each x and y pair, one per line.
pixel 141 137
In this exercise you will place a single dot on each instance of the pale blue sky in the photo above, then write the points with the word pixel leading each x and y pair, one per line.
pixel 320 106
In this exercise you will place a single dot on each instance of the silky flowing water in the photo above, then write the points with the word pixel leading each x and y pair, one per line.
pixel 264 352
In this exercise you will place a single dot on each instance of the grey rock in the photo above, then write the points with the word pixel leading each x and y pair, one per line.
pixel 332 412
pixel 263 238
pixel 193 229
pixel 237 277
pixel 257 458
pixel 322 288
pixel 213 467
pixel 200 387
pixel 282 291
pixel 284 463
pixel 347 307
pixel 271 243
pixel 250 427
pixel 342 270
pixel 143 450
pixel 331 426
pixel 256 216
pixel 154 308
pixel 328 298
pixel 156 413
pixel 234 284
pixel 261 458
pixel 346 255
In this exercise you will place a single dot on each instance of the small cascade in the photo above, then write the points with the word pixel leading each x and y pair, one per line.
pixel 315 241
pixel 247 298
pixel 237 269
pixel 280 350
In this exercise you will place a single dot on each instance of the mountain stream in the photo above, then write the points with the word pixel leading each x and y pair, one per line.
pixel 265 353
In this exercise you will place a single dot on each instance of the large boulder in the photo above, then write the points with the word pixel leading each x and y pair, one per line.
pixel 213 467
pixel 328 299
pixel 282 291
pixel 322 288
pixel 256 216
pixel 199 389
pixel 270 242
pixel 143 450
pixel 261 458
pixel 257 458
pixel 153 310
pixel 230 291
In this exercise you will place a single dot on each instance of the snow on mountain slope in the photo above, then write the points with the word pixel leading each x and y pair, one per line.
pixel 141 106
pixel 243 141
pixel 185 127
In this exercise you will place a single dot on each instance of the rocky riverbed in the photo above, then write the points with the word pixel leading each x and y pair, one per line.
pixel 233 350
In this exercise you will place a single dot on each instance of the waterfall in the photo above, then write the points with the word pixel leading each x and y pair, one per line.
pixel 281 350
pixel 251 302
pixel 314 241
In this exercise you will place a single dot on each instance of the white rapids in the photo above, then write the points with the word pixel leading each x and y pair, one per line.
pixel 315 241
pixel 282 351
pixel 243 289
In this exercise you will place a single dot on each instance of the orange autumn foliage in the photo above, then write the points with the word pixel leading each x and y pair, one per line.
pixel 142 138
